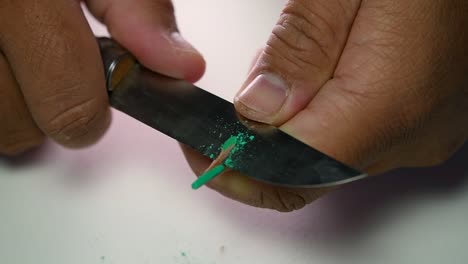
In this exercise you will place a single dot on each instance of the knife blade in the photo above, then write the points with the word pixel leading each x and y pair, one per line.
pixel 205 122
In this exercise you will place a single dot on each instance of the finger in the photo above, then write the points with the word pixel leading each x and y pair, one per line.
pixel 148 29
pixel 369 114
pixel 18 132
pixel 299 58
pixel 56 61
pixel 236 186
pixel 255 59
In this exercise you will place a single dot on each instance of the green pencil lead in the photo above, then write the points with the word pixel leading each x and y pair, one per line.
pixel 230 142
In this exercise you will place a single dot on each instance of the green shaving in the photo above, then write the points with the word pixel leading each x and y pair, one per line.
pixel 236 143
pixel 241 140
pixel 207 176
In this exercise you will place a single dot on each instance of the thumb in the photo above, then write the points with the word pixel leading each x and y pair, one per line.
pixel 148 29
pixel 299 57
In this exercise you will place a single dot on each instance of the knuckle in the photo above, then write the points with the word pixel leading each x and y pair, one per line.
pixel 290 201
pixel 75 122
pixel 400 126
pixel 304 37
pixel 311 24
pixel 18 143
pixel 396 132
pixel 280 199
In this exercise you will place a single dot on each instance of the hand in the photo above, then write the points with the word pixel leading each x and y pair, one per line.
pixel 51 75
pixel 376 84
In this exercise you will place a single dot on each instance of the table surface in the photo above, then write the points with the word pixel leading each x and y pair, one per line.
pixel 128 198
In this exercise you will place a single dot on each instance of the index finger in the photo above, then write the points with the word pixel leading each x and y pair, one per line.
pixel 55 59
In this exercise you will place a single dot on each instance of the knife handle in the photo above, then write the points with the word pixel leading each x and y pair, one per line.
pixel 117 62
pixel 166 104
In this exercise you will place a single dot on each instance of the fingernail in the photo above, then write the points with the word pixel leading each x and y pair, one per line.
pixel 263 97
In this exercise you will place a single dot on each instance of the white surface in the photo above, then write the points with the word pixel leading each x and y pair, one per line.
pixel 128 199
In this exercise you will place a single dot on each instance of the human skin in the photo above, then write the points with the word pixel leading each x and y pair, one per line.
pixel 376 84
pixel 51 75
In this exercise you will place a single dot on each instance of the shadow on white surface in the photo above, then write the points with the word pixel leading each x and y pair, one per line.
pixel 354 210
pixel 137 185
pixel 339 217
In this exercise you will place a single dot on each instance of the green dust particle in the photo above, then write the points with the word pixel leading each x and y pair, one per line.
pixel 183 254
pixel 230 142
pixel 241 140
pixel 103 258
pixel 229 162
pixel 212 156
pixel 208 149
pixel 207 176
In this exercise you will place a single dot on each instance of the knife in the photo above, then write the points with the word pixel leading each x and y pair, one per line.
pixel 205 122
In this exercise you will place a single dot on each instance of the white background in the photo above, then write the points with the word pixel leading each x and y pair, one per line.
pixel 128 199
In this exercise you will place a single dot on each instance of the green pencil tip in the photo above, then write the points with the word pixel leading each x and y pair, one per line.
pixel 230 142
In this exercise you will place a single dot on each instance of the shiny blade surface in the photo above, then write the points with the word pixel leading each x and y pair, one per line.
pixel 204 122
